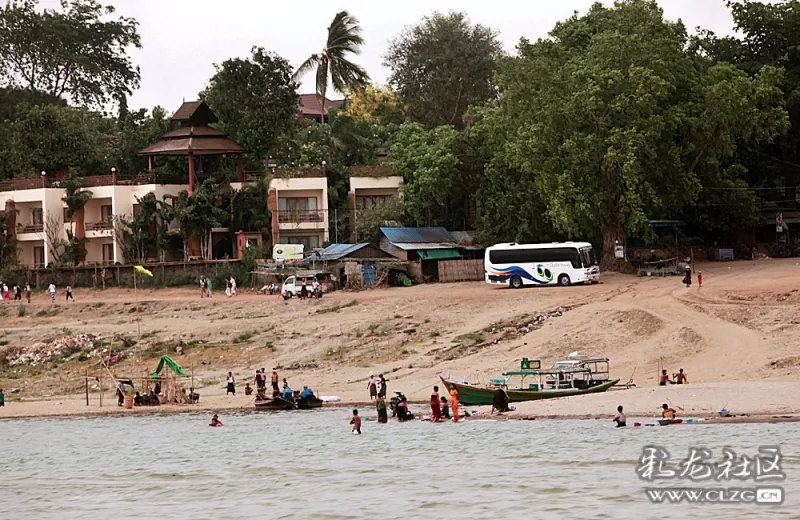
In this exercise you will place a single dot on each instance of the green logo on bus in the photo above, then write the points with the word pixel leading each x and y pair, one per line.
pixel 544 273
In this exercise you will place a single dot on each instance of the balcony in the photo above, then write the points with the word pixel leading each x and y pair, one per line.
pixel 103 225
pixel 301 216
pixel 30 228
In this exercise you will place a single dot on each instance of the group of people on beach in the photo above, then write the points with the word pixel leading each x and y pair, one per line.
pixel 206 287
pixel 677 379
pixel 5 292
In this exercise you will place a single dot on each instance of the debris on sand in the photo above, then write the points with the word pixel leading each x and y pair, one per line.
pixel 46 350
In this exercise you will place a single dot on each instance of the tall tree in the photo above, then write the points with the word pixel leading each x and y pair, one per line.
pixel 442 66
pixel 74 52
pixel 613 121
pixel 427 161
pixel 332 65
pixel 377 105
pixel 255 100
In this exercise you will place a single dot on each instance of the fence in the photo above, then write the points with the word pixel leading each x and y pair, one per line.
pixel 171 274
pixel 461 270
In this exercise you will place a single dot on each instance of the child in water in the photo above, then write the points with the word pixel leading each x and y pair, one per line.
pixel 215 422
pixel 356 422
pixel 620 418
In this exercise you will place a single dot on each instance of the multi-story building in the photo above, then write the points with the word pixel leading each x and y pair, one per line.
pixel 41 216
pixel 298 200
pixel 371 186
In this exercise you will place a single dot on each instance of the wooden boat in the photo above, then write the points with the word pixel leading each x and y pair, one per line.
pixel 280 404
pixel 275 404
pixel 667 422
pixel 566 378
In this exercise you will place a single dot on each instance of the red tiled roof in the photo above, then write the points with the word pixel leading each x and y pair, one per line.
pixel 311 104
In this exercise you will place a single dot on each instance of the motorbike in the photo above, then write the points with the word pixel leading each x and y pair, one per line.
pixel 395 401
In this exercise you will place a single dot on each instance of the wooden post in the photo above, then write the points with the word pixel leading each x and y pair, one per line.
pixel 86 382
pixel 191 174
pixel 191 387
pixel 101 389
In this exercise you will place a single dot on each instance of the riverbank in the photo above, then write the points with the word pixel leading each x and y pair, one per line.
pixel 736 338
pixel 750 401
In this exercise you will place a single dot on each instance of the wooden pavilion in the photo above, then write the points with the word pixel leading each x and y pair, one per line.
pixel 195 137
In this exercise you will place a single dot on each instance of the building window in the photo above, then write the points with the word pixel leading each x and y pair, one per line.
pixel 108 253
pixel 298 209
pixel 67 214
pixel 105 213
pixel 37 217
pixel 38 256
pixel 370 201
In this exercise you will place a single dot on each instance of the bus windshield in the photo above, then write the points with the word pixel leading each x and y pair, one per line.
pixel 587 255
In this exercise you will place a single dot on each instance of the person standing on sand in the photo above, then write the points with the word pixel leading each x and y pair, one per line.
pixel 231 384
pixel 699 279
pixel 6 296
pixel 382 390
pixel 260 383
pixel 687 279
pixel 52 290
pixel 372 386
pixel 454 403
pixel 28 291
pixel 233 286
pixel 208 287
pixel 202 287
pixel 680 378
pixel 69 294
pixel 2 398
pixel 436 406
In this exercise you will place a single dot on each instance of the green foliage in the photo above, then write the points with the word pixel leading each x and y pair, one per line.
pixel 20 311
pixel 74 52
pixel 612 121
pixel 8 246
pixel 255 100
pixel 370 219
pixel 376 105
pixel 55 137
pixel 332 65
pixel 442 66
pixel 136 130
pixel 199 213
pixel 427 161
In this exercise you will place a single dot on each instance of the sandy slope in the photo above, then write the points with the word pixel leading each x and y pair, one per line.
pixel 739 330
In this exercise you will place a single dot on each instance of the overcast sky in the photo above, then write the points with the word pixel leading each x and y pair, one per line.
pixel 183 39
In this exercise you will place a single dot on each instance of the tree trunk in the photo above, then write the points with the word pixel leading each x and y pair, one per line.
pixel 613 237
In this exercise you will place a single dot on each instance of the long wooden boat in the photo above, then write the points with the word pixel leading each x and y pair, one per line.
pixel 476 395
pixel 275 404
pixel 280 404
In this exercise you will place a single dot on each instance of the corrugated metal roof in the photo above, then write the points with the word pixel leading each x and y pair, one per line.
pixel 337 251
pixel 427 245
pixel 420 235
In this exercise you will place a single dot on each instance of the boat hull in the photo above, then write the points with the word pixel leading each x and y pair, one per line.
pixel 275 404
pixel 477 396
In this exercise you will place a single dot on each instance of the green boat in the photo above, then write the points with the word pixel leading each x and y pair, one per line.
pixel 576 376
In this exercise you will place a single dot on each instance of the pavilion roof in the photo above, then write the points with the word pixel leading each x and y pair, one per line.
pixel 194 135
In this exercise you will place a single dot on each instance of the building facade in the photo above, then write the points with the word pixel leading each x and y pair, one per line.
pixel 42 217
pixel 298 200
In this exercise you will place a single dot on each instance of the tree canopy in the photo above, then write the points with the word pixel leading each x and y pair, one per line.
pixel 442 66
pixel 611 122
pixel 76 53
pixel 255 100
pixel 333 64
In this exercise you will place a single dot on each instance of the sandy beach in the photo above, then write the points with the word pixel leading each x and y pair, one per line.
pixel 736 338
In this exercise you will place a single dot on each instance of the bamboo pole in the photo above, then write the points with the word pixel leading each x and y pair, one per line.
pixel 86 381
pixel 101 389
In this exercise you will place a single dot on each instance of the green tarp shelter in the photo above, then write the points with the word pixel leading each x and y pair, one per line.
pixel 438 254
pixel 169 362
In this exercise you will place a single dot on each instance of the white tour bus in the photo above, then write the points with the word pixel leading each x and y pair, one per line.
pixel 518 265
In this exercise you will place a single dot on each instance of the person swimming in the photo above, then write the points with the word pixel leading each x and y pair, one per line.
pixel 215 422
pixel 620 418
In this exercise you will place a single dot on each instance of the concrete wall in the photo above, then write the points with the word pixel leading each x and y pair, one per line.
pixel 369 183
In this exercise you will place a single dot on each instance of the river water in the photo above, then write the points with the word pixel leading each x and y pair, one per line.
pixel 307 465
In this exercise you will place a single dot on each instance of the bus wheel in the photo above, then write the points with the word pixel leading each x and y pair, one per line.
pixel 516 282
pixel 563 280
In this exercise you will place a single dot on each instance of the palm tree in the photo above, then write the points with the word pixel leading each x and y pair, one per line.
pixel 332 65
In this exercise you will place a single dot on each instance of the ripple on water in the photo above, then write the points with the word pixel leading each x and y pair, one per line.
pixel 309 466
